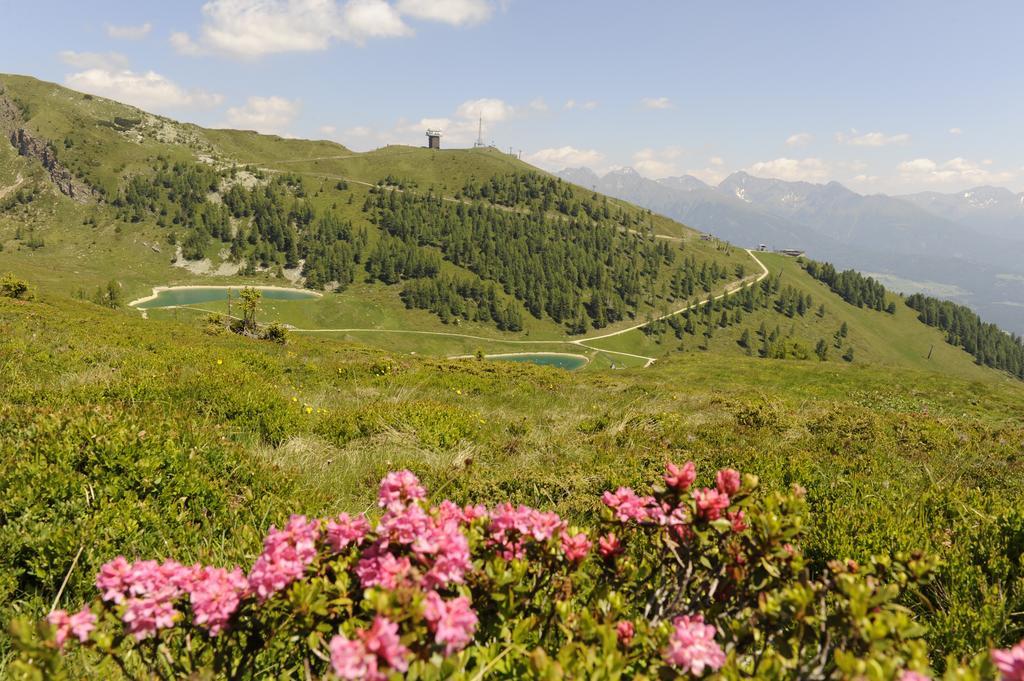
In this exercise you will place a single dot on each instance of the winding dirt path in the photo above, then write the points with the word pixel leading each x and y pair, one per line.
pixel 730 289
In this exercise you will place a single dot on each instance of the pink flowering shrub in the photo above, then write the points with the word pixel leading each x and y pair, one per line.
pixel 682 581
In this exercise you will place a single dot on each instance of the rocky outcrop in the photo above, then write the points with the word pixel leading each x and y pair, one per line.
pixel 30 146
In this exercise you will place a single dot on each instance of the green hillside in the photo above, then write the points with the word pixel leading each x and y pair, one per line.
pixel 161 203
pixel 131 203
pixel 157 432
pixel 158 438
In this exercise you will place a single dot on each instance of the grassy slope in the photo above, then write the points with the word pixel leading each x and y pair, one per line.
pixel 103 399
pixel 877 338
pixel 102 153
pixel 78 256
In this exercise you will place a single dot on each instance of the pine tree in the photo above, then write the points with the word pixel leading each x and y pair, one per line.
pixel 821 349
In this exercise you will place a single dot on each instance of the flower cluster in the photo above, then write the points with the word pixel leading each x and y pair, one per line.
pixel 286 555
pixel 415 546
pixel 709 503
pixel 429 590
pixel 363 657
pixel 692 646
pixel 80 625
pixel 345 531
pixel 627 505
pixel 453 622
pixel 1010 663
pixel 147 591
pixel 215 596
pixel 513 528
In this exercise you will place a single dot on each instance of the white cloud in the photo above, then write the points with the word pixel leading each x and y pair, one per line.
pixel 111 61
pixel 371 19
pixel 328 130
pixel 454 12
pixel 460 128
pixel 589 105
pixel 871 139
pixel 183 44
pixel 658 163
pixel 359 131
pixel 270 115
pixel 716 161
pixel 253 28
pixel 791 169
pixel 129 32
pixel 538 104
pixel 492 110
pixel 565 157
pixel 712 174
pixel 955 131
pixel 656 103
pixel 148 90
pixel 954 171
pixel 799 139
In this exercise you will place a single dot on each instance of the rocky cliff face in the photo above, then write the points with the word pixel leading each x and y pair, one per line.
pixel 31 146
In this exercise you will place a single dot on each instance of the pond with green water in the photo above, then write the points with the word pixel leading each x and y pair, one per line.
pixel 191 295
pixel 567 362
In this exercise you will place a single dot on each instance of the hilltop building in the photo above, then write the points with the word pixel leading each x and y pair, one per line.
pixel 433 139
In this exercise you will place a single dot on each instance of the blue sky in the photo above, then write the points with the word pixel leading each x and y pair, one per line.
pixel 882 96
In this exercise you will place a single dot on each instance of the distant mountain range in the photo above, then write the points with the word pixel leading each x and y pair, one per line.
pixel 966 246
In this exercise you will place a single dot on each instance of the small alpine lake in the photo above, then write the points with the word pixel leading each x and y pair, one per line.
pixel 566 361
pixel 174 296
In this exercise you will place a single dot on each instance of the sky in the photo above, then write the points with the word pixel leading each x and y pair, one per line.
pixel 893 96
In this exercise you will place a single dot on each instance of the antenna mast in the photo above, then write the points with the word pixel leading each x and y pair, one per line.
pixel 480 133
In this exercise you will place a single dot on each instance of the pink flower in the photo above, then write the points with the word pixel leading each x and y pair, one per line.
pixel 346 530
pixel 80 625
pixel 625 631
pixel 112 580
pixel 215 596
pixel 1010 662
pixel 575 546
pixel 909 675
pixel 399 489
pixel 511 528
pixel 451 561
pixel 738 521
pixel 446 510
pixel 377 567
pixel 680 478
pixel 286 555
pixel 405 525
pixel 609 546
pixel 144 617
pixel 544 525
pixel 453 622
pixel 627 505
pixel 381 639
pixel 471 513
pixel 710 503
pixel 692 647
pixel 728 481
pixel 351 660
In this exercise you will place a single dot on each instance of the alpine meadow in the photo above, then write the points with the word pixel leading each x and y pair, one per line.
pixel 411 403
